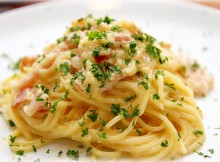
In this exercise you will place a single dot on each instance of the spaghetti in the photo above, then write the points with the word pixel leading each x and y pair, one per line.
pixel 111 87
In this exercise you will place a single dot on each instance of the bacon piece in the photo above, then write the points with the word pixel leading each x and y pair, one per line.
pixel 76 62
pixel 122 37
pixel 26 61
pixel 21 97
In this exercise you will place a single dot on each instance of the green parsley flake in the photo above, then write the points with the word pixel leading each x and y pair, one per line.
pixel 34 148
pixel 197 133
pixel 153 51
pixel 127 61
pixel 85 132
pixel 92 35
pixel 144 84
pixel 115 109
pixel 81 123
pixel 93 116
pixel 138 132
pixel 156 96
pixel 102 135
pixel 60 153
pixel 16 65
pixel 75 39
pixel 88 151
pixel 73 154
pixel 130 98
pixel 12 138
pixel 132 47
pixel 159 72
pixel 170 85
pixel 149 39
pixel 88 88
pixel 138 37
pixel 20 152
pixel 212 151
pixel 102 122
pixel 136 111
pixel 11 123
pixel 76 76
pixel 116 28
pixel 164 143
pixel 65 68
pixel 54 105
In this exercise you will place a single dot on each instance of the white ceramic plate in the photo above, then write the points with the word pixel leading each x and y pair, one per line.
pixel 191 28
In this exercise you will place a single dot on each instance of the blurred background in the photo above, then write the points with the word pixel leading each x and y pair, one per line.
pixel 6 5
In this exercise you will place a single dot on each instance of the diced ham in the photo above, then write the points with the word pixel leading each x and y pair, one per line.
pixel 26 61
pixel 76 62
pixel 199 81
pixel 27 100
pixel 21 97
pixel 122 37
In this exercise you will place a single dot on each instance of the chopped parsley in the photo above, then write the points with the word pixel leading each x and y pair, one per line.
pixel 48 151
pixel 107 45
pixel 153 51
pixel 88 88
pixel 12 138
pixel 75 38
pixel 16 65
pixel 34 148
pixel 159 72
pixel 212 151
pixel 102 135
pixel 138 37
pixel 130 98
pixel 11 123
pixel 88 150
pixel 96 51
pixel 84 63
pixel 138 132
pixel 81 123
pixel 116 28
pixel 75 76
pixel 93 116
pixel 149 39
pixel 127 61
pixel 195 65
pixel 65 68
pixel 202 154
pixel 164 143
pixel 106 20
pixel 174 100
pixel 170 85
pixel 100 74
pixel 125 113
pixel 156 96
pixel 115 69
pixel 84 132
pixel 136 111
pixel 102 122
pixel 92 35
pixel 73 154
pixel 60 153
pixel 132 48
pixel 54 105
pixel 115 109
pixel 20 152
pixel 179 136
pixel 144 84
pixel 197 133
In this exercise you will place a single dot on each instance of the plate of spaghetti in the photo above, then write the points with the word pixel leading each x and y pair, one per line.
pixel 110 81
